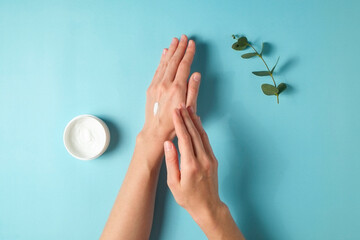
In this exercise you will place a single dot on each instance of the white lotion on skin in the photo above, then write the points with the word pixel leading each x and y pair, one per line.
pixel 156 107
pixel 86 137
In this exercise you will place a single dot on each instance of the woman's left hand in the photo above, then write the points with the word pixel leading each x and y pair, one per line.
pixel 170 89
pixel 194 183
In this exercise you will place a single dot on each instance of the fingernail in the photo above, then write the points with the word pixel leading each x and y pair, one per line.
pixel 182 37
pixel 164 51
pixel 173 40
pixel 167 146
pixel 191 109
pixel 197 77
pixel 182 105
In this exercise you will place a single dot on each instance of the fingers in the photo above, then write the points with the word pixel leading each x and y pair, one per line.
pixel 195 136
pixel 183 70
pixel 173 45
pixel 193 90
pixel 165 57
pixel 203 135
pixel 174 62
pixel 184 138
pixel 161 68
pixel 172 164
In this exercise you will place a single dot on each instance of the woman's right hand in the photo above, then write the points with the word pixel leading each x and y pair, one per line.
pixel 195 187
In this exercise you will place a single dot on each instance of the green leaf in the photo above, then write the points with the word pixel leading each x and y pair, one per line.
pixel 241 44
pixel 249 55
pixel 236 46
pixel 261 73
pixel 243 41
pixel 272 70
pixel 269 89
pixel 281 87
pixel 262 49
pixel 233 36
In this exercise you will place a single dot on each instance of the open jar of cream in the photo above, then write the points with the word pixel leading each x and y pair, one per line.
pixel 86 137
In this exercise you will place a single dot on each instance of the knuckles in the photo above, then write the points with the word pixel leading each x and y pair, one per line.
pixel 176 87
pixel 162 65
pixel 184 64
pixel 171 184
pixel 216 164
pixel 193 88
pixel 162 87
pixel 207 166
pixel 203 166
pixel 149 91
pixel 174 61
pixel 180 200
pixel 186 139
pixel 193 170
pixel 203 134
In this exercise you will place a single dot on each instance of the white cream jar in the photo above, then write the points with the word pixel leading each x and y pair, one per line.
pixel 86 137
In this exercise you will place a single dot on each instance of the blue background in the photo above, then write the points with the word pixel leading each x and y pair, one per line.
pixel 287 171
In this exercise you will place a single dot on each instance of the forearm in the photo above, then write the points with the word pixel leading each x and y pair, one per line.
pixel 132 213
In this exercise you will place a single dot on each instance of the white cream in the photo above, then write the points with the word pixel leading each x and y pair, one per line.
pixel 86 137
pixel 156 107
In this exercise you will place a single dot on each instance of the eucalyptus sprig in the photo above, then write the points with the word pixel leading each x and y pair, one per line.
pixel 268 89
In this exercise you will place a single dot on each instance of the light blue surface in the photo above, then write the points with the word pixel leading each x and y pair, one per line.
pixel 287 171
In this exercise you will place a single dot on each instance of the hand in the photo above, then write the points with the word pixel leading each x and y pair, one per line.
pixel 170 88
pixel 195 187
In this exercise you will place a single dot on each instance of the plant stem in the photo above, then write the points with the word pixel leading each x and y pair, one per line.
pixel 271 75
pixel 260 56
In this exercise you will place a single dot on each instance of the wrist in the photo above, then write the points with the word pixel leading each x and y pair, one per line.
pixel 156 134
pixel 149 135
pixel 209 217
pixel 217 223
pixel 149 149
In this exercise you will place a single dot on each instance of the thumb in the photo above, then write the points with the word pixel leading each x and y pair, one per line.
pixel 172 164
